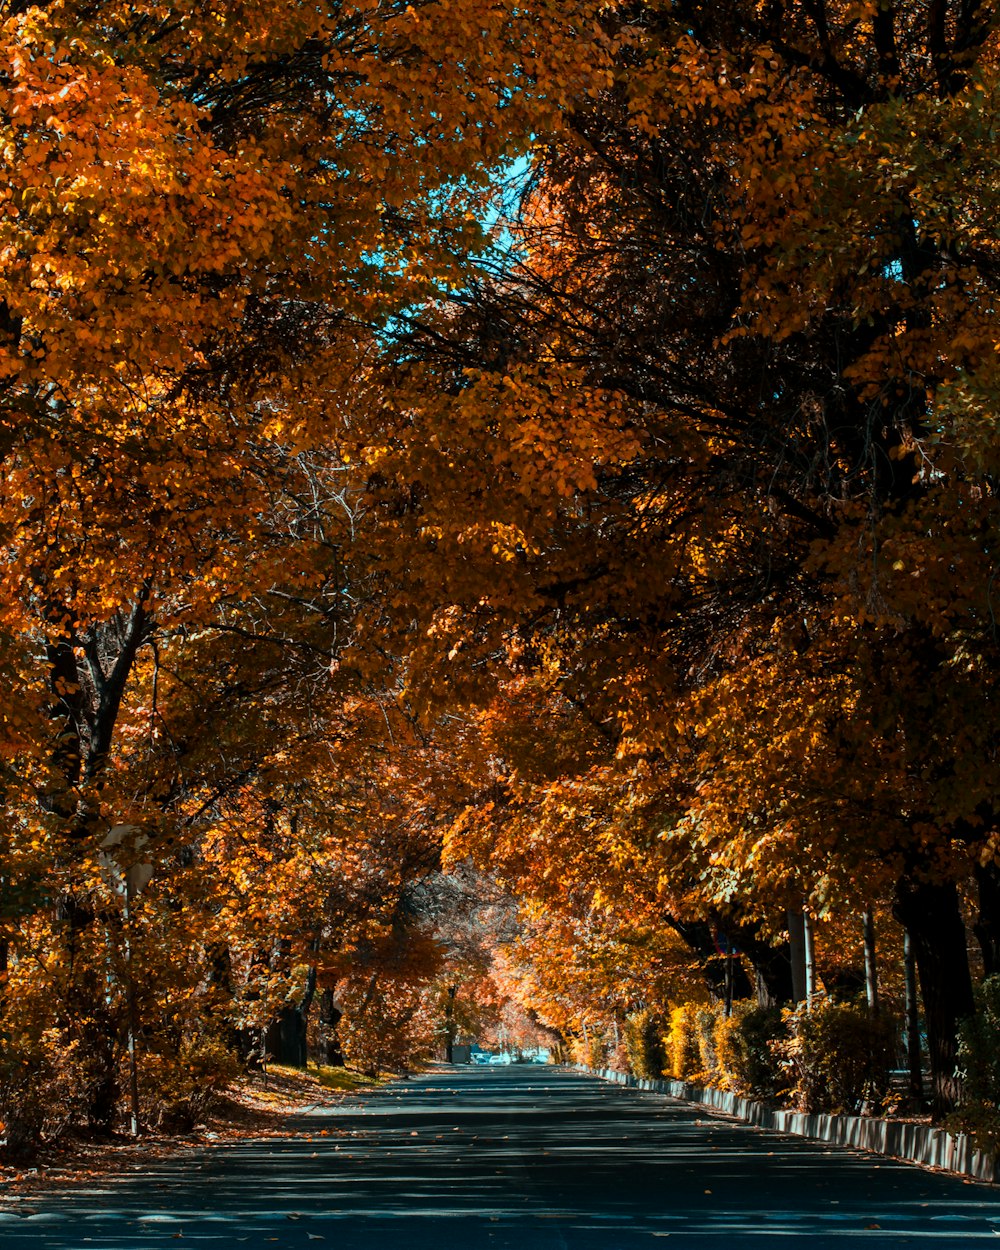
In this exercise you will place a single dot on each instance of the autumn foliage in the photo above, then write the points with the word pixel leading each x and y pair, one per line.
pixel 554 442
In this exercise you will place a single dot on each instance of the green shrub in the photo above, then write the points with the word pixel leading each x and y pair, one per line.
pixel 979 1067
pixel 735 1052
pixel 589 1051
pixel 595 1052
pixel 840 1056
pixel 745 1054
pixel 683 1042
pixel 706 1020
pixel 644 1043
pixel 177 1086
pixel 44 1087
pixel 617 1056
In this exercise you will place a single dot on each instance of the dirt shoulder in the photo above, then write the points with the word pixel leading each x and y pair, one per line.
pixel 257 1106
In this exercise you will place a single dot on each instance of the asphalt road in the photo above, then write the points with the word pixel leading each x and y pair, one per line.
pixel 520 1158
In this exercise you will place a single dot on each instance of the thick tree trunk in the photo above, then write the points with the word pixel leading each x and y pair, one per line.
pixel 700 937
pixel 287 1039
pixel 797 954
pixel 930 913
pixel 329 1018
pixel 772 967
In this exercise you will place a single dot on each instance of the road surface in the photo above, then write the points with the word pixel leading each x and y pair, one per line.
pixel 525 1158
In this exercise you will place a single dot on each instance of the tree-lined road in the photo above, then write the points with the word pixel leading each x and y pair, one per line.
pixel 526 1158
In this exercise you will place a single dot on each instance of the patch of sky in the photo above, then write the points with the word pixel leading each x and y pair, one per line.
pixel 498 250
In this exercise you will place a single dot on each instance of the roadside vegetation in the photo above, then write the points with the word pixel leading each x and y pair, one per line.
pixel 499 521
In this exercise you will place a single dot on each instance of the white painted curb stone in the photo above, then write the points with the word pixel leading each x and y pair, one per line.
pixel 913 1143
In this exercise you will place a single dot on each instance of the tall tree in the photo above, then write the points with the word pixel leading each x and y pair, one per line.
pixel 206 219
pixel 725 413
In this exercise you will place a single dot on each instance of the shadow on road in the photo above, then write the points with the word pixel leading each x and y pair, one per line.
pixel 525 1158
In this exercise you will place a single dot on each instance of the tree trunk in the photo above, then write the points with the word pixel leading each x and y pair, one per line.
pixel 329 1017
pixel 700 937
pixel 449 1025
pixel 99 1037
pixel 930 913
pixel 871 963
pixel 797 953
pixel 809 950
pixel 772 967
pixel 914 1059
pixel 287 1036
pixel 987 926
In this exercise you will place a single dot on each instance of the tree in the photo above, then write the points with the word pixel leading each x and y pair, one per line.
pixel 717 422
pixel 205 225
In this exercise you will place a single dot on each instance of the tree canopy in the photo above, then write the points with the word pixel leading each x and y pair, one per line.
pixel 557 438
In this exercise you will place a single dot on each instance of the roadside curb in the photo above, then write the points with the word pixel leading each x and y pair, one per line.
pixel 912 1143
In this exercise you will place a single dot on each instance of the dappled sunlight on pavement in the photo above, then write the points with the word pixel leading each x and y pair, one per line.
pixel 532 1158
